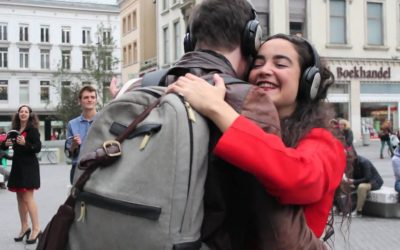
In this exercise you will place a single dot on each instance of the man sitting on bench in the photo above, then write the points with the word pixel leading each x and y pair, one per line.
pixel 365 178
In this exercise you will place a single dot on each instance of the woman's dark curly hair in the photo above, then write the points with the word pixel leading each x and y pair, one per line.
pixel 311 113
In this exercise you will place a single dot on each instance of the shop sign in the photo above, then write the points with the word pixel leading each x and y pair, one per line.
pixel 360 72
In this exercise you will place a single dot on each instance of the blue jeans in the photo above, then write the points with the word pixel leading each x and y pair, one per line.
pixel 397 186
pixel 383 147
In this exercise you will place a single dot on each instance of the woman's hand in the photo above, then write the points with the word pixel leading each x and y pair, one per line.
pixel 201 95
pixel 206 98
pixel 9 142
pixel 21 140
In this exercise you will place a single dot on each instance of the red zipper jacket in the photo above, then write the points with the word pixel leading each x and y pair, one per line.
pixel 307 175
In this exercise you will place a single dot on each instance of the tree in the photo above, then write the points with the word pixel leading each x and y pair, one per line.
pixel 68 106
pixel 97 70
pixel 100 69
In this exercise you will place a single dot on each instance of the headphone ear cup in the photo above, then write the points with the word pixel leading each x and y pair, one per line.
pixel 310 81
pixel 188 43
pixel 251 40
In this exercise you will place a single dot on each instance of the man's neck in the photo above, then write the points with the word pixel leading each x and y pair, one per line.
pixel 89 114
pixel 238 61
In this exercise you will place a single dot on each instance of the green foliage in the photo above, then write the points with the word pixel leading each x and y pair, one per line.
pixel 69 107
pixel 98 73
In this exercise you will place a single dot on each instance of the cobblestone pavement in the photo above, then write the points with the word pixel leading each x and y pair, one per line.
pixel 366 233
pixel 370 233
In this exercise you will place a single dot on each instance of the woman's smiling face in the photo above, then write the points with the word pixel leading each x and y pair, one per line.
pixel 276 70
pixel 23 114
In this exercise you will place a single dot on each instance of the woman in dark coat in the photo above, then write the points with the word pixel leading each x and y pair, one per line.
pixel 25 176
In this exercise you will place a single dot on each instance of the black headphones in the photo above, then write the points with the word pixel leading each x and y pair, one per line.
pixel 251 39
pixel 311 77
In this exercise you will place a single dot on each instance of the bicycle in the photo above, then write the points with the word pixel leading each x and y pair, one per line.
pixel 47 153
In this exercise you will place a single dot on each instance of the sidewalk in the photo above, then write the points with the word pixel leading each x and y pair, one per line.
pixel 366 233
pixel 370 233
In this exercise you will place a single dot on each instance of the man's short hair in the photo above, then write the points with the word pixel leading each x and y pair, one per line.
pixel 87 88
pixel 219 24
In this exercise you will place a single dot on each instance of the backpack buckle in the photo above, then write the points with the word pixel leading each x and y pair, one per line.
pixel 111 151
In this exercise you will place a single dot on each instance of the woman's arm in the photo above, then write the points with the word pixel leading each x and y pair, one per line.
pixel 206 98
pixel 300 175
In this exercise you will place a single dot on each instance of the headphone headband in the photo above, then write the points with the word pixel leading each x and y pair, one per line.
pixel 251 37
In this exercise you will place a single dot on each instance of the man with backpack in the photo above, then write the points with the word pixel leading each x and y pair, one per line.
pixel 236 212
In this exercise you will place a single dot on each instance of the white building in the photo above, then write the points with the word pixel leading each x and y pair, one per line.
pixel 358 40
pixel 37 37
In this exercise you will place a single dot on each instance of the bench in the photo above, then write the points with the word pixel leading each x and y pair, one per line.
pixel 383 203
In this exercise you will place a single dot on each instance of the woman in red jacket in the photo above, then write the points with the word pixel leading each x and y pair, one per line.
pixel 306 166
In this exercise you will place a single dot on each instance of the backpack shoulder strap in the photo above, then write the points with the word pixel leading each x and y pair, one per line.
pixel 153 78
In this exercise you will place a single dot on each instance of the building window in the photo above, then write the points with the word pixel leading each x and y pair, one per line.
pixel 3 57
pixel 86 36
pixel 44 91
pixel 135 52
pixel 65 88
pixel 23 33
pixel 3 32
pixel 65 35
pixel 24 58
pixel 3 90
pixel 297 17
pixel 107 37
pixel 45 59
pixel 177 40
pixel 337 21
pixel 129 22
pixel 374 23
pixel 134 20
pixel 124 56
pixel 106 92
pixel 44 34
pixel 86 59
pixel 107 62
pixel 24 91
pixel 130 54
pixel 165 4
pixel 263 11
pixel 166 45
pixel 66 59
pixel 124 25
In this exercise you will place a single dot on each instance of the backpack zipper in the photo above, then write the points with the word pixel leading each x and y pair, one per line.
pixel 191 118
pixel 124 207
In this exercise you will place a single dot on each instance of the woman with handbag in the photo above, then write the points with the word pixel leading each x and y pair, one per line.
pixel 25 176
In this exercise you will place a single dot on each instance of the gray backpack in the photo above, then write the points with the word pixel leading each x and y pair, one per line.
pixel 151 197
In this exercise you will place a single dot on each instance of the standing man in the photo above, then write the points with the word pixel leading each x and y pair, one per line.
pixel 79 126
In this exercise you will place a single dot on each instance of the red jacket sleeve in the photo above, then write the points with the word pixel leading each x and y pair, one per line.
pixel 300 175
